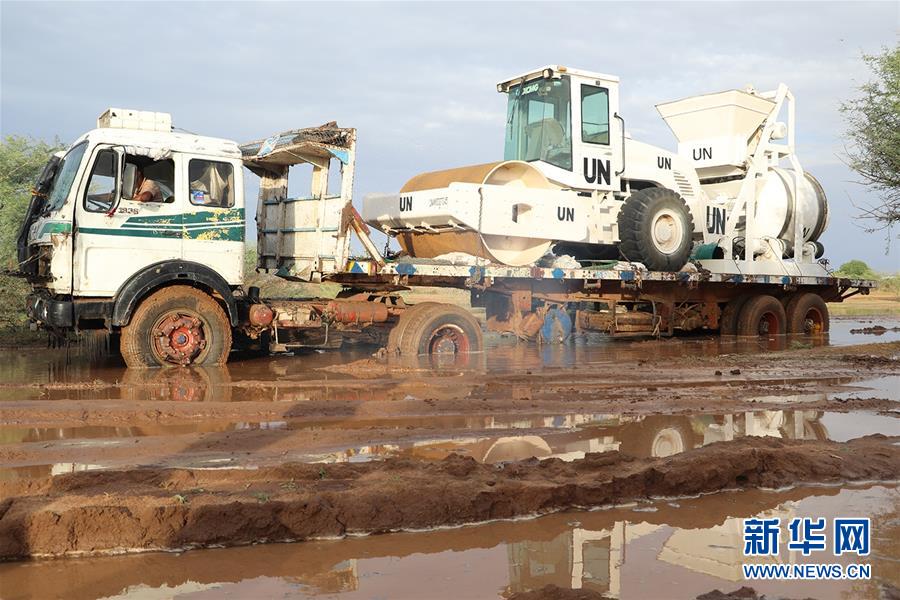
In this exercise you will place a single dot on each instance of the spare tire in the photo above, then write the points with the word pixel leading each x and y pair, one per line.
pixel 656 228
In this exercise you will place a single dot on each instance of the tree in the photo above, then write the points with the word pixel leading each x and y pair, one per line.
pixel 874 133
pixel 856 269
pixel 21 161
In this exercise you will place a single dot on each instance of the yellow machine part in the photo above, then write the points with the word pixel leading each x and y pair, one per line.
pixel 508 250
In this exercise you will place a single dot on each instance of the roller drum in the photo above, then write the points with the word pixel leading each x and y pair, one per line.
pixel 508 250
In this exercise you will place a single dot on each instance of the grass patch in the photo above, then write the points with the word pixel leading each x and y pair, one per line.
pixel 877 303
pixel 14 331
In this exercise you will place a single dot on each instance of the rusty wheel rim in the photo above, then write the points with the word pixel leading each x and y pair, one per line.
pixel 179 338
pixel 768 325
pixel 448 339
pixel 813 322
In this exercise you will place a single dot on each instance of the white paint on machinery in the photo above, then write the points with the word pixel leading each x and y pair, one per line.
pixel 724 198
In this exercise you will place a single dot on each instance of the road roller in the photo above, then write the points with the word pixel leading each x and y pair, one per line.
pixel 573 182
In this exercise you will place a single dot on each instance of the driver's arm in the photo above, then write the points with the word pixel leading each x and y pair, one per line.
pixel 148 191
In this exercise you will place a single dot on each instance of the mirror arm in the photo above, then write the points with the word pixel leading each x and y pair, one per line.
pixel 120 168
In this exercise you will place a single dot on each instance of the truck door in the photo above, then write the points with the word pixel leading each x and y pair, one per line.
pixel 116 236
pixel 214 215
pixel 598 136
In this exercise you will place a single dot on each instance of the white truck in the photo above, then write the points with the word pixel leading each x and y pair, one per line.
pixel 168 274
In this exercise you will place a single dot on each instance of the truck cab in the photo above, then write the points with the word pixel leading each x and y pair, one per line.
pixel 91 237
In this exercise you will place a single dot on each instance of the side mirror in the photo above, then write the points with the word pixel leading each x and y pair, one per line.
pixel 128 176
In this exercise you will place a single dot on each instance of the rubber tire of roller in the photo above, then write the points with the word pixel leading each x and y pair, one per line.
pixel 135 344
pixel 635 229
pixel 728 320
pixel 417 335
pixel 757 308
pixel 799 307
pixel 396 334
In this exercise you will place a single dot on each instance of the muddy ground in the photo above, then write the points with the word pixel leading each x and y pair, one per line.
pixel 97 459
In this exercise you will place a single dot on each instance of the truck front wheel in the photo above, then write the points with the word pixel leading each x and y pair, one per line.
pixel 176 326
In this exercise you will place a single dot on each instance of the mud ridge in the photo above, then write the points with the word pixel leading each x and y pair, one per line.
pixel 104 511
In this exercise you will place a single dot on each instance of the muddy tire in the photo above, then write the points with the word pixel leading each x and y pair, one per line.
pixel 807 314
pixel 396 333
pixel 441 329
pixel 762 316
pixel 656 229
pixel 176 326
pixel 728 319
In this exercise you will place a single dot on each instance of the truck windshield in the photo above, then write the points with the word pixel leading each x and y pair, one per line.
pixel 65 175
pixel 538 122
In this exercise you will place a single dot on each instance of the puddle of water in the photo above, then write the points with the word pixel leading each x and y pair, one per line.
pixel 488 439
pixel 880 387
pixel 847 426
pixel 679 550
pixel 89 376
pixel 655 436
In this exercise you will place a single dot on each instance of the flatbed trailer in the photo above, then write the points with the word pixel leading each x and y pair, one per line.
pixel 619 299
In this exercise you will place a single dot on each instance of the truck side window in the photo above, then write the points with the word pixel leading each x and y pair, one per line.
pixel 211 183
pixel 594 114
pixel 101 189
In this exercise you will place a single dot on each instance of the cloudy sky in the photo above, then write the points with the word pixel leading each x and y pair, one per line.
pixel 418 80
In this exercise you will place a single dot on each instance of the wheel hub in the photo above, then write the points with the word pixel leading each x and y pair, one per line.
pixel 179 338
pixel 813 323
pixel 666 232
pixel 448 339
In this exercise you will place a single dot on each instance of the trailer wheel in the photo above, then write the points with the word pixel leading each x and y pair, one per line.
pixel 761 316
pixel 656 229
pixel 177 326
pixel 807 313
pixel 729 318
pixel 441 329
pixel 396 333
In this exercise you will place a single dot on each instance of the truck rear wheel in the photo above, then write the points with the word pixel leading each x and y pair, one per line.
pixel 656 229
pixel 396 334
pixel 761 316
pixel 729 318
pixel 441 329
pixel 807 313
pixel 176 326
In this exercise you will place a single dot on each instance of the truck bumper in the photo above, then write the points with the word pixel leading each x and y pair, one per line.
pixel 49 312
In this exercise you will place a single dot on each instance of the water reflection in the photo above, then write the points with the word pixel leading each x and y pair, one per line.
pixel 678 550
pixel 488 439
pixel 571 437
pixel 83 368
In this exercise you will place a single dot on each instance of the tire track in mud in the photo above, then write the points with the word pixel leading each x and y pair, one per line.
pixel 145 509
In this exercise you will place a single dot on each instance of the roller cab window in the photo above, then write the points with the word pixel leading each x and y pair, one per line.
pixel 211 183
pixel 538 122
pixel 594 115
